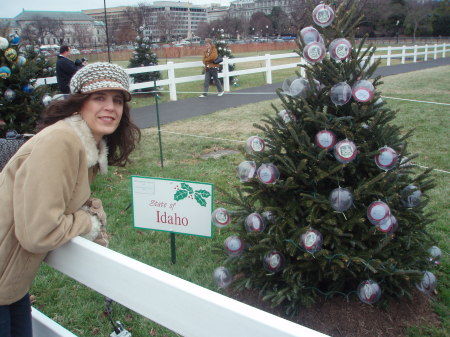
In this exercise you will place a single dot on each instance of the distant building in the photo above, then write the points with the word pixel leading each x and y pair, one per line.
pixel 246 8
pixel 54 27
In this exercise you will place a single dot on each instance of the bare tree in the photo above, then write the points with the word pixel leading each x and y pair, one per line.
pixel 418 13
pixel 166 24
pixel 203 30
pixel 83 35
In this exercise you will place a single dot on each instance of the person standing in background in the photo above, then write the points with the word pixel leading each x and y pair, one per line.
pixel 211 69
pixel 65 69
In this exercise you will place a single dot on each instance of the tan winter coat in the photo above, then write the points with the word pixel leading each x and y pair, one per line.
pixel 209 55
pixel 42 189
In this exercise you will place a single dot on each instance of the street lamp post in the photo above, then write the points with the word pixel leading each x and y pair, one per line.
pixel 267 33
pixel 107 33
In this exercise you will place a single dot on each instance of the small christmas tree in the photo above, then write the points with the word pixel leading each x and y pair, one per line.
pixel 20 100
pixel 330 203
pixel 223 49
pixel 143 56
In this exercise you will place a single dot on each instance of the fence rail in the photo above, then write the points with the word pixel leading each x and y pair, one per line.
pixel 179 305
pixel 388 53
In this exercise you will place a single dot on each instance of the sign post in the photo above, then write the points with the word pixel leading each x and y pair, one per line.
pixel 173 206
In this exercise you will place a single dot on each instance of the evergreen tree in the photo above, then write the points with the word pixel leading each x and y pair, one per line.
pixel 335 201
pixel 223 49
pixel 143 56
pixel 20 100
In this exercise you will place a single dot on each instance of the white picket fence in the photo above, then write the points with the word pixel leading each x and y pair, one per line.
pixel 179 305
pixel 391 53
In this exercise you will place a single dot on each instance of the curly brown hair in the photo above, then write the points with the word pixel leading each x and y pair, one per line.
pixel 120 143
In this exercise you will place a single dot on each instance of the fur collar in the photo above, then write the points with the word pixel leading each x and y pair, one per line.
pixel 94 154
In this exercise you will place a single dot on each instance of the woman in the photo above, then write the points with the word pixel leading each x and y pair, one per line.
pixel 45 187
pixel 211 69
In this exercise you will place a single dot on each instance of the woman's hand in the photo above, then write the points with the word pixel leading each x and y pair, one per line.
pixel 94 207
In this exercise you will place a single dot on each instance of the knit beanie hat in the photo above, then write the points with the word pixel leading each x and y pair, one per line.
pixel 100 76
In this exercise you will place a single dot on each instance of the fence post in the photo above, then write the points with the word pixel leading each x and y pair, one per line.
pixel 226 74
pixel 415 53
pixel 171 78
pixel 268 69
pixel 388 63
pixel 443 49
pixel 435 51
pixel 425 58
pixel 403 54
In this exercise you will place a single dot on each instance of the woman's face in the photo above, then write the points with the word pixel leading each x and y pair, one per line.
pixel 102 112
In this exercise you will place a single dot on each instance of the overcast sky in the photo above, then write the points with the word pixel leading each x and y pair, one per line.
pixel 11 8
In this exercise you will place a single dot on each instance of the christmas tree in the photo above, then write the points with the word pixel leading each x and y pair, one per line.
pixel 330 203
pixel 21 102
pixel 223 49
pixel 143 56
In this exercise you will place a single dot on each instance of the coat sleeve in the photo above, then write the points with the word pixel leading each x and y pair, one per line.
pixel 44 186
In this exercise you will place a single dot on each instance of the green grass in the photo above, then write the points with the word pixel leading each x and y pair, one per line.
pixel 80 309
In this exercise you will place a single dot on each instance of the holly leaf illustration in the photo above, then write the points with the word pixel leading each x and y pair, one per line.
pixel 203 193
pixel 181 194
pixel 186 187
pixel 199 199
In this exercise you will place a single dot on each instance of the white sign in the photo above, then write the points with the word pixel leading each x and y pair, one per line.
pixel 175 206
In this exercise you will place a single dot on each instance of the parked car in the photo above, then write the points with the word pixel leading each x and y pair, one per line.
pixel 74 51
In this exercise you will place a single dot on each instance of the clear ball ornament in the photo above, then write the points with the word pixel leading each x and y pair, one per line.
pixel 428 283
pixel 5 72
pixel 340 93
pixel 299 88
pixel 325 139
pixel 311 241
pixel 246 170
pixel 3 43
pixel 269 217
pixel 220 217
pixel 309 34
pixel 345 151
pixel 314 52
pixel 274 261
pixel 411 196
pixel 10 95
pixel 323 15
pixel 377 212
pixel 234 246
pixel 362 91
pixel 286 116
pixel 254 223
pixel 46 99
pixel 268 173
pixel 255 144
pixel 341 199
pixel 222 277
pixel 388 225
pixel 386 159
pixel 435 255
pixel 369 292
pixel 340 49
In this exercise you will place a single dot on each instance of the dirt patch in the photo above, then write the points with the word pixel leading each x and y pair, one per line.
pixel 339 318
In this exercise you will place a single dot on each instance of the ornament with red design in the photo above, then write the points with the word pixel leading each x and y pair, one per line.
pixel 268 173
pixel 340 49
pixel 428 283
pixel 220 217
pixel 341 199
pixel 325 139
pixel 314 52
pixel 323 15
pixel 435 254
pixel 386 159
pixel 345 151
pixel 234 246
pixel 246 170
pixel 388 225
pixel 255 223
pixel 369 292
pixel 362 91
pixel 309 34
pixel 222 277
pixel 274 261
pixel 340 93
pixel 254 144
pixel 286 116
pixel 377 212
pixel 311 241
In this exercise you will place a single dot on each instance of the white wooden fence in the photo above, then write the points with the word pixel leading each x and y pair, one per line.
pixel 390 53
pixel 179 305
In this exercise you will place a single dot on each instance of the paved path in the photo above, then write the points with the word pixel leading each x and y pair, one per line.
pixel 145 117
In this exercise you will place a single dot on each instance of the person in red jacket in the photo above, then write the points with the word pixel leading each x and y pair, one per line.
pixel 211 69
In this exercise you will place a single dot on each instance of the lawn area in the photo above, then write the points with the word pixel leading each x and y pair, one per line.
pixel 80 309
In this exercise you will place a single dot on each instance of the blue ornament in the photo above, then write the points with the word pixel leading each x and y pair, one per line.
pixel 14 39
pixel 5 72
pixel 21 60
pixel 28 88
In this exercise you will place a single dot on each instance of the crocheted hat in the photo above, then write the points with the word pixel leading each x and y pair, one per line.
pixel 100 76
